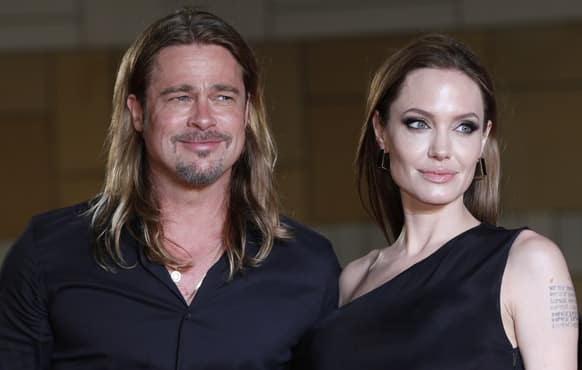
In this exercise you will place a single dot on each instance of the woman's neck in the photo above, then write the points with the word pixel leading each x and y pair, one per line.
pixel 427 227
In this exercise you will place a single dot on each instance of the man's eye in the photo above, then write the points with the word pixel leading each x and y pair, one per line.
pixel 182 98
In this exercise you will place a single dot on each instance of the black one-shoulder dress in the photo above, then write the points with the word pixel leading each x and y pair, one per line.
pixel 443 313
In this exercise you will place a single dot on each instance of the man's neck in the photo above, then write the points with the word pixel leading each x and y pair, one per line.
pixel 193 217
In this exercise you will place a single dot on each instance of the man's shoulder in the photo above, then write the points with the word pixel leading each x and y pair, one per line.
pixel 303 234
pixel 47 238
pixel 64 222
pixel 310 255
pixel 308 242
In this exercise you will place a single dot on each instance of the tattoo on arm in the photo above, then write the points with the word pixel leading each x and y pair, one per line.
pixel 563 307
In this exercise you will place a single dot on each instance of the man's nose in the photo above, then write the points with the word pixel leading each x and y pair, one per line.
pixel 201 115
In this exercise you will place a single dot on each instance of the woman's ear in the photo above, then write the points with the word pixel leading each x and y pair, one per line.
pixel 379 131
pixel 486 136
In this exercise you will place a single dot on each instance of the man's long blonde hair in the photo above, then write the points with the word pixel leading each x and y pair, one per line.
pixel 127 200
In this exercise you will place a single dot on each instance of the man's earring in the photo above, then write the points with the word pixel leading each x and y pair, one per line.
pixel 480 170
pixel 383 161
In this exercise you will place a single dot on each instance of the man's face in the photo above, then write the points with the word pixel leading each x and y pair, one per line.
pixel 193 122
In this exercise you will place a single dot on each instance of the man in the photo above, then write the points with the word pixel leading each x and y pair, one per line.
pixel 182 262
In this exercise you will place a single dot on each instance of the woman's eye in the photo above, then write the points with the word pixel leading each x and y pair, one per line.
pixel 415 123
pixel 466 127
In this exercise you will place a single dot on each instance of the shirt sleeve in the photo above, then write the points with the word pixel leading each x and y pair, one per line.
pixel 25 336
pixel 331 294
pixel 301 359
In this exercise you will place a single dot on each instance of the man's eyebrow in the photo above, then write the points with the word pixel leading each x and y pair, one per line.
pixel 189 88
pixel 178 88
pixel 227 88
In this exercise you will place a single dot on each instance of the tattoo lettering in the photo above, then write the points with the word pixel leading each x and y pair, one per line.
pixel 563 306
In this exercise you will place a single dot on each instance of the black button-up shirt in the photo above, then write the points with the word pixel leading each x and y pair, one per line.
pixel 59 310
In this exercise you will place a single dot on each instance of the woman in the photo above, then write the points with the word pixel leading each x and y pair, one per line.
pixel 452 291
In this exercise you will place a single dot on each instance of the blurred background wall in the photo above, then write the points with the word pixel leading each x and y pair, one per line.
pixel 58 60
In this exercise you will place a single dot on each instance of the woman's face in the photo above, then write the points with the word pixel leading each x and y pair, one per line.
pixel 434 136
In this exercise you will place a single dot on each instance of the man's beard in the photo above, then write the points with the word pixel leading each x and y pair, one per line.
pixel 196 177
pixel 189 172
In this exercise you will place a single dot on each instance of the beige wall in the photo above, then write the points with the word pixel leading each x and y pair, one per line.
pixel 316 92
pixel 54 108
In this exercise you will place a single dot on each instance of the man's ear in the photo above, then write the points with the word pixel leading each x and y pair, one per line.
pixel 247 110
pixel 379 132
pixel 136 111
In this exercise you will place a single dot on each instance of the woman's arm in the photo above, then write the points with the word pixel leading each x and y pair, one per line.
pixel 538 295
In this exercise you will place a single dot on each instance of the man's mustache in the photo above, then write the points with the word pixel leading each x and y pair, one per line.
pixel 201 136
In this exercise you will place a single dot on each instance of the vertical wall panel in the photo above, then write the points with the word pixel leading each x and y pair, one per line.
pixel 541 156
pixel 293 189
pixel 84 85
pixel 334 130
pixel 284 83
pixel 26 185
pixel 24 82
pixel 345 67
pixel 82 109
pixel 537 57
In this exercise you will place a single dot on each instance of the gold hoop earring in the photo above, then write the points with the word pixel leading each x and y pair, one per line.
pixel 383 161
pixel 480 170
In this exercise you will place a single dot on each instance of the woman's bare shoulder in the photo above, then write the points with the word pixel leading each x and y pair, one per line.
pixel 533 253
pixel 353 274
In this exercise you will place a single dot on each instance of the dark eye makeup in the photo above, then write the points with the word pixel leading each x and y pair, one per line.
pixel 415 123
pixel 467 127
